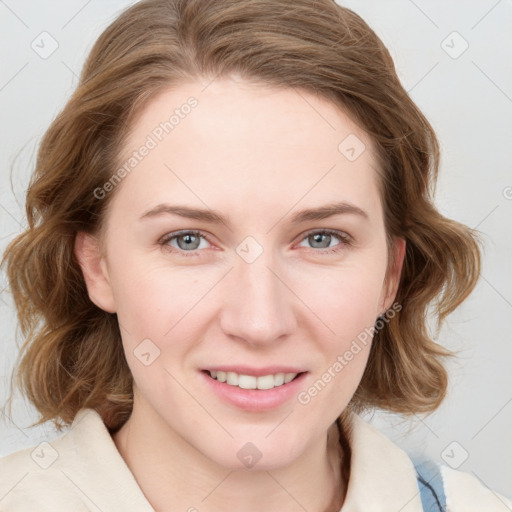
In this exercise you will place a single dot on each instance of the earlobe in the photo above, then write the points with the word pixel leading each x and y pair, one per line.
pixel 94 270
pixel 393 275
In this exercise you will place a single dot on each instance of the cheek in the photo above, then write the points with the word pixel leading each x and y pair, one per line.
pixel 348 309
pixel 346 303
pixel 345 300
pixel 151 294
pixel 155 327
pixel 161 311
pixel 154 298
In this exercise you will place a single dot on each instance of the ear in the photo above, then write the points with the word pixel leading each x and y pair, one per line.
pixel 393 274
pixel 94 269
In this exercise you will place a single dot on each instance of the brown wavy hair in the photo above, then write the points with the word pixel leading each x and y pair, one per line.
pixel 72 356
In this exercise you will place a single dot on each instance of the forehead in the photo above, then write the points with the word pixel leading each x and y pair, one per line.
pixel 243 145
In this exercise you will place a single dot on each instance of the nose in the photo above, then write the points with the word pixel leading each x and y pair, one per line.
pixel 260 307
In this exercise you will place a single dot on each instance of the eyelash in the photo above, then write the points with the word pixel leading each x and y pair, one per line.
pixel 345 240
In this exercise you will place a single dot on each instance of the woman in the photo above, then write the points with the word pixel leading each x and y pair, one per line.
pixel 231 250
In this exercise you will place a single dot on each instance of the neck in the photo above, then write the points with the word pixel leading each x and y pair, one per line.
pixel 171 471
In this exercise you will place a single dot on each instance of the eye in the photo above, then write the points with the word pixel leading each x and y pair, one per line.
pixel 183 242
pixel 321 239
pixel 189 241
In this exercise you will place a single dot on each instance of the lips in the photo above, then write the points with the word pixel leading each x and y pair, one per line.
pixel 256 372
pixel 254 400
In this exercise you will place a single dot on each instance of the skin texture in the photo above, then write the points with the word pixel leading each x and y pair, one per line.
pixel 257 155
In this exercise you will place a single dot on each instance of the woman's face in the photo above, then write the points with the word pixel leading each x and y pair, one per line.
pixel 272 288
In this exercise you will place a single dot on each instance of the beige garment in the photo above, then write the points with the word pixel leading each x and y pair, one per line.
pixel 83 471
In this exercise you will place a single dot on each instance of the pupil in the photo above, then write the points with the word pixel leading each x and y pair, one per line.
pixel 317 237
pixel 188 240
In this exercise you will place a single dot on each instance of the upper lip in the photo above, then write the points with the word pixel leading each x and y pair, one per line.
pixel 256 372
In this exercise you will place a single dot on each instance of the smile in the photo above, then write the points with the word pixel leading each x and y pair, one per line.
pixel 250 381
pixel 276 389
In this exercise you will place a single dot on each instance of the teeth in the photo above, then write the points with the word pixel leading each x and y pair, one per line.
pixel 252 382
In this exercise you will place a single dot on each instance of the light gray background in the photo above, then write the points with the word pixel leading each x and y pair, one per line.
pixel 467 96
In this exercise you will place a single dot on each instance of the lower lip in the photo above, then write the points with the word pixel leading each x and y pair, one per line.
pixel 255 400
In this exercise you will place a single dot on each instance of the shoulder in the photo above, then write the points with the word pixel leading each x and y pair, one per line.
pixel 382 472
pixel 465 492
pixel 443 488
pixel 37 478
pixel 80 471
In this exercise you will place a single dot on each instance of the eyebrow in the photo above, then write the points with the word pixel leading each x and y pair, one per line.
pixel 213 217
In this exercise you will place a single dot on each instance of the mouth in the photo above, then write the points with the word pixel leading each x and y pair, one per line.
pixel 253 382
pixel 254 393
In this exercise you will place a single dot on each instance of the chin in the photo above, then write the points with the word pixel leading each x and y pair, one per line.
pixel 256 456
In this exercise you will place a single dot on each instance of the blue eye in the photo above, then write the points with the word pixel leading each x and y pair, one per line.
pixel 188 243
pixel 324 237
